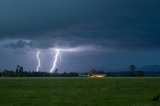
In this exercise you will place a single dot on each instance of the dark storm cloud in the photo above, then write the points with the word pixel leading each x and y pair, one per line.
pixel 117 24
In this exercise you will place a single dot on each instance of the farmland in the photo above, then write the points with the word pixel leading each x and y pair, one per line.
pixel 79 91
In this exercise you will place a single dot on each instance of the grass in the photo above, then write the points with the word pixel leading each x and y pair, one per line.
pixel 79 91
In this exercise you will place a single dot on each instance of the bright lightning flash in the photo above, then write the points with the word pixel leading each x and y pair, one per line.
pixel 56 58
pixel 38 60
pixel 58 55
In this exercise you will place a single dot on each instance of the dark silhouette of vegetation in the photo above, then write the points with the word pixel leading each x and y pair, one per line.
pixel 7 73
pixel 135 73
pixel 19 72
pixel 132 67
pixel 156 97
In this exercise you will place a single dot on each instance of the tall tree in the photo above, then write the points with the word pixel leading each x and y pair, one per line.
pixel 132 67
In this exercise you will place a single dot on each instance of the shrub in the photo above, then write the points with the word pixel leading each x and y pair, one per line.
pixel 156 97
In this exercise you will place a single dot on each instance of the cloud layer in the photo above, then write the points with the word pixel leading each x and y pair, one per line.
pixel 122 24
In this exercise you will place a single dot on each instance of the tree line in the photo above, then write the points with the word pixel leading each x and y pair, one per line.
pixel 8 73
pixel 19 72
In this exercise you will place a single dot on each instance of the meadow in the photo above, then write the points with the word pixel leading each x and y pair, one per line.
pixel 79 91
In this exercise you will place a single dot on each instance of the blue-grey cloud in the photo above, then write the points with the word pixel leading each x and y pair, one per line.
pixel 18 44
pixel 122 24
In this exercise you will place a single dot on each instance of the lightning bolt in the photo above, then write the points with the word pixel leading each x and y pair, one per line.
pixel 56 58
pixel 38 60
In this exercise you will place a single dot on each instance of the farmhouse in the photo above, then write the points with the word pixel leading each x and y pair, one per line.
pixel 98 75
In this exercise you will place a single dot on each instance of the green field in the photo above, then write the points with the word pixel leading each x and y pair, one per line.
pixel 79 91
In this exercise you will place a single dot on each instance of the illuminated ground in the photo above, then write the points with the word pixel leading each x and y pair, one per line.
pixel 79 91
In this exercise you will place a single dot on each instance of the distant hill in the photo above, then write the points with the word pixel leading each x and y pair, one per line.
pixel 147 68
pixel 153 68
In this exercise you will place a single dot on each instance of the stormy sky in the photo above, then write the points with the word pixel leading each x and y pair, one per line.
pixel 112 33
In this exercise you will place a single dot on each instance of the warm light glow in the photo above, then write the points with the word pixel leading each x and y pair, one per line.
pixel 97 76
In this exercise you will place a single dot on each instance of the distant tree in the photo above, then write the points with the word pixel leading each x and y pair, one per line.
pixel 109 74
pixel 64 74
pixel 17 69
pixel 132 67
pixel 21 69
pixel 56 71
pixel 101 72
pixel 1 74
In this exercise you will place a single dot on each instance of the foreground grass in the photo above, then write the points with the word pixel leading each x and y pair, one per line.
pixel 79 91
